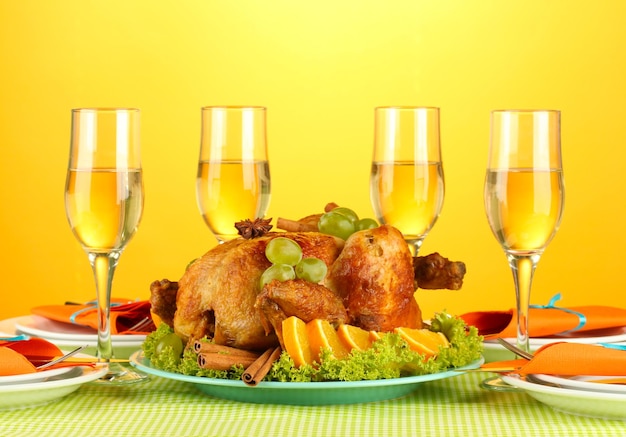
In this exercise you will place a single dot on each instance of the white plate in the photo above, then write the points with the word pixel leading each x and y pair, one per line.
pixel 33 377
pixel 15 396
pixel 583 383
pixel 67 336
pixel 578 402
pixel 493 351
pixel 53 330
pixel 303 393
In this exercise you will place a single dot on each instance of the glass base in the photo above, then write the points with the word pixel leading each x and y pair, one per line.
pixel 120 375
pixel 497 384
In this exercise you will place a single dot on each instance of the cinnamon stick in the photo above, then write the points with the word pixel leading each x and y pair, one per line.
pixel 212 348
pixel 330 206
pixel 258 369
pixel 219 361
pixel 295 226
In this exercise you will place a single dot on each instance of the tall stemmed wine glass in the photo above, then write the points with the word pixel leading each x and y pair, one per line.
pixel 406 183
pixel 104 202
pixel 233 181
pixel 524 195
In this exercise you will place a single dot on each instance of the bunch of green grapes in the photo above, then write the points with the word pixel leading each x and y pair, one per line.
pixel 288 263
pixel 342 222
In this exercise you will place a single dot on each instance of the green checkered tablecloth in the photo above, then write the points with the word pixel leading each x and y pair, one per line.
pixel 452 407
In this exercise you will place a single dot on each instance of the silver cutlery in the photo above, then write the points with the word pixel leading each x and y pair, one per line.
pixel 63 358
pixel 515 349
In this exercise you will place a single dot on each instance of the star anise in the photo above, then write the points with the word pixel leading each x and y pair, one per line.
pixel 251 229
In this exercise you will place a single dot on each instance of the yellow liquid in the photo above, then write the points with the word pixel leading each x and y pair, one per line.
pixel 104 207
pixel 230 191
pixel 524 208
pixel 408 195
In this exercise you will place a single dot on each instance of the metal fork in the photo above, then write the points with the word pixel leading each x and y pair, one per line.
pixel 515 349
pixel 141 325
pixel 63 358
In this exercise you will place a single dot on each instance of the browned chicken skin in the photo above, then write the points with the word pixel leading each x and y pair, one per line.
pixel 374 276
pixel 305 300
pixel 218 292
pixel 434 272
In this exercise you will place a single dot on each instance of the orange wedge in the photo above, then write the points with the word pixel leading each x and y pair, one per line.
pixel 296 341
pixel 354 337
pixel 322 335
pixel 376 335
pixel 424 341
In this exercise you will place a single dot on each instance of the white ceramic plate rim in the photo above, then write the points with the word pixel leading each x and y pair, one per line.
pixel 88 374
pixel 582 383
pixel 33 377
pixel 564 392
pixel 27 325
pixel 578 402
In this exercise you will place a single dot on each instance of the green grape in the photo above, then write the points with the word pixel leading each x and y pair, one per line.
pixel 366 223
pixel 281 250
pixel 311 269
pixel 334 223
pixel 348 213
pixel 172 341
pixel 280 272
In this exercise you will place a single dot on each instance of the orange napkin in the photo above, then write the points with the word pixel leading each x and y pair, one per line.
pixel 16 356
pixel 547 320
pixel 569 359
pixel 124 314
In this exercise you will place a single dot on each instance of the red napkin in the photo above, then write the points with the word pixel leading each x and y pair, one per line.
pixel 569 359
pixel 547 320
pixel 17 357
pixel 124 315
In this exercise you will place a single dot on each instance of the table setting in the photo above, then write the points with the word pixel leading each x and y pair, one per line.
pixel 568 372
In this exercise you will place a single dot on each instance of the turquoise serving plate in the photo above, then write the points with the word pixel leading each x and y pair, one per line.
pixel 303 393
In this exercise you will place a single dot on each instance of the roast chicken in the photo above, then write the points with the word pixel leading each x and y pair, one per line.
pixel 370 283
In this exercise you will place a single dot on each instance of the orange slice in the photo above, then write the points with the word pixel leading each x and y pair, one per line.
pixel 296 341
pixel 354 337
pixel 423 340
pixel 322 335
pixel 376 335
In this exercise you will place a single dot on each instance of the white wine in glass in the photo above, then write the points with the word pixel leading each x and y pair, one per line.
pixel 104 203
pixel 406 183
pixel 233 180
pixel 524 195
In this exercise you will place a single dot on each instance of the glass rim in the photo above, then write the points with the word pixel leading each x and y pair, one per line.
pixel 263 108
pixel 525 111
pixel 406 107
pixel 105 109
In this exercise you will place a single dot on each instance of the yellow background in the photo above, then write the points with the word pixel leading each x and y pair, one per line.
pixel 320 67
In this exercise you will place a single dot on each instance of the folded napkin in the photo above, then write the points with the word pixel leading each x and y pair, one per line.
pixel 22 357
pixel 124 315
pixel 568 359
pixel 547 320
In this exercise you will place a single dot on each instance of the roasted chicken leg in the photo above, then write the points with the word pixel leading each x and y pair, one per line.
pixel 374 276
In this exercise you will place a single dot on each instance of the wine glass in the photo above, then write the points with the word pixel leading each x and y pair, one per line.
pixel 104 203
pixel 233 181
pixel 406 182
pixel 524 195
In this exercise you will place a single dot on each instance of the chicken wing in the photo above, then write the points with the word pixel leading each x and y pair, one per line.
pixel 303 299
pixel 434 272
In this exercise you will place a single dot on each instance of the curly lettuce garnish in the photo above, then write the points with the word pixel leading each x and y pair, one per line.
pixel 388 357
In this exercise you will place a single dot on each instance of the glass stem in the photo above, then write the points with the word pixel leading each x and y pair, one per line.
pixel 414 246
pixel 103 265
pixel 523 268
